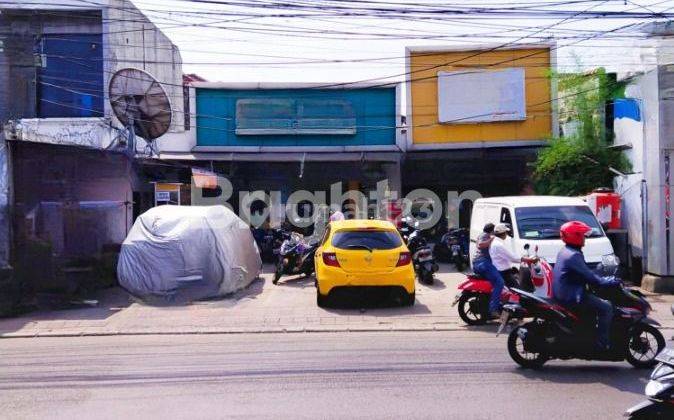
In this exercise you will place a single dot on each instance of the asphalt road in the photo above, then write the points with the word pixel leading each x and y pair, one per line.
pixel 463 374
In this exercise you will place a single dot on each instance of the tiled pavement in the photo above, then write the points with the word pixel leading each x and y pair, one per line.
pixel 261 308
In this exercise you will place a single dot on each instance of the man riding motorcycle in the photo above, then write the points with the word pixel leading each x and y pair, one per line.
pixel 571 275
pixel 483 266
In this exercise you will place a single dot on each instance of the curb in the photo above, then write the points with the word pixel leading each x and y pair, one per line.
pixel 293 330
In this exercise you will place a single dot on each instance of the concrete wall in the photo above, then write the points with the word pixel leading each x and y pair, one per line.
pixel 129 40
pixel 649 140
pixel 426 132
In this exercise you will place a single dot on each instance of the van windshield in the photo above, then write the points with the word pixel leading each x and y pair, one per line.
pixel 544 222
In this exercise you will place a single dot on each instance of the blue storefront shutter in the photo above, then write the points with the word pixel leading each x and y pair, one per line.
pixel 70 80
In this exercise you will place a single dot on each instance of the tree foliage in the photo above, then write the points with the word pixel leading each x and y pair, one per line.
pixel 579 162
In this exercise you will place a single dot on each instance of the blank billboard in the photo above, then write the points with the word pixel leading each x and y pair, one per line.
pixel 470 96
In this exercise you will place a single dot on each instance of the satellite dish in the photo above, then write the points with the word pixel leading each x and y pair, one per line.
pixel 140 103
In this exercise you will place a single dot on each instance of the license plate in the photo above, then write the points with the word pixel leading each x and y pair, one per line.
pixel 424 259
pixel 505 317
pixel 456 247
pixel 456 299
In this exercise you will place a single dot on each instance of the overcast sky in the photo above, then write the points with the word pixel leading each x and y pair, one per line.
pixel 234 47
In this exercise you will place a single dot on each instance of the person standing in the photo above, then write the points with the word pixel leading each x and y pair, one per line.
pixel 483 266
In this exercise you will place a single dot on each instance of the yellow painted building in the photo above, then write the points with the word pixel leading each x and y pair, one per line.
pixel 520 75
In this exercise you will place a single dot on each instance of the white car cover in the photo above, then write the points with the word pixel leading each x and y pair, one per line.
pixel 183 253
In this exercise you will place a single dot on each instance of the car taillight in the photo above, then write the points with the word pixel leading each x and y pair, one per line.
pixel 404 259
pixel 330 258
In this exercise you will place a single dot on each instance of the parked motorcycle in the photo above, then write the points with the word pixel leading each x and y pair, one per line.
pixel 453 248
pixel 422 257
pixel 295 257
pixel 659 390
pixel 269 242
pixel 555 332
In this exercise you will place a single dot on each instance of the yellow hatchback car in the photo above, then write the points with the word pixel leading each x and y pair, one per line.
pixel 363 254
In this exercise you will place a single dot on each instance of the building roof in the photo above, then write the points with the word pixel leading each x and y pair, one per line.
pixel 476 47
pixel 291 85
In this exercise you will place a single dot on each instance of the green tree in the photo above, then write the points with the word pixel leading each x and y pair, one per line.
pixel 577 163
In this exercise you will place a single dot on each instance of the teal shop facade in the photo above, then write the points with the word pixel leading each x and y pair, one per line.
pixel 287 137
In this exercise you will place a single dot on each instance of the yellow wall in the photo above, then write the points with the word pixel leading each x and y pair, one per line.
pixel 424 96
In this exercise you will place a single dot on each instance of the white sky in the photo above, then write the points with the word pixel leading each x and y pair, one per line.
pixel 276 49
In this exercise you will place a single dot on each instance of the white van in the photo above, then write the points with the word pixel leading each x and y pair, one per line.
pixel 535 220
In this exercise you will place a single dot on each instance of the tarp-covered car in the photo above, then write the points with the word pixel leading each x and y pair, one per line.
pixel 183 253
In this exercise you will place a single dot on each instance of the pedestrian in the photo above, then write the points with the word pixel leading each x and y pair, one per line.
pixel 483 266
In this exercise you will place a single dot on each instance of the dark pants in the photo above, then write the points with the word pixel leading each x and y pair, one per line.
pixel 509 278
pixel 486 269
pixel 604 311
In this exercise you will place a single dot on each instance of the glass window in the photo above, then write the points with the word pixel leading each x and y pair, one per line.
pixel 544 222
pixel 366 239
pixel 507 219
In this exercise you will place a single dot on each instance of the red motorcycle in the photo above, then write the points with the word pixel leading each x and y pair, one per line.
pixel 473 299
pixel 474 293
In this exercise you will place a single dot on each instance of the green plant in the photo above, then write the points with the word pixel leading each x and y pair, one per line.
pixel 577 163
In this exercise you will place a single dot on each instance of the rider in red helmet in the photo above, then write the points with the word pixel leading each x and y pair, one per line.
pixel 571 274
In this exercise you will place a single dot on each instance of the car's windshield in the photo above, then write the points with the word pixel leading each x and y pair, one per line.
pixel 544 222
pixel 366 239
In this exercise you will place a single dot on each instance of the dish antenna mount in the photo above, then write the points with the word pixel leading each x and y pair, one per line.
pixel 141 104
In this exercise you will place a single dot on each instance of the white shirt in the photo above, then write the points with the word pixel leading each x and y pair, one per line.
pixel 501 256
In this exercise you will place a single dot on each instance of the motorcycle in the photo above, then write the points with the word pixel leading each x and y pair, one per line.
pixel 473 299
pixel 475 292
pixel 269 242
pixel 295 257
pixel 422 257
pixel 659 390
pixel 453 247
pixel 555 332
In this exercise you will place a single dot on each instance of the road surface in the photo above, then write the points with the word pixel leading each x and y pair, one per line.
pixel 458 374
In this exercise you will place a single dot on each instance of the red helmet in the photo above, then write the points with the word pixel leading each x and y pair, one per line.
pixel 573 233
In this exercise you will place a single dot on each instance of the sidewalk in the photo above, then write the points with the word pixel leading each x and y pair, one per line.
pixel 263 308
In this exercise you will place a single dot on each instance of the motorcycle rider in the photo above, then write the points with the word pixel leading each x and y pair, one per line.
pixel 483 266
pixel 502 257
pixel 571 274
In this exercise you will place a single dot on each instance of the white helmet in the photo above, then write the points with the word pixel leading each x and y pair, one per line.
pixel 501 228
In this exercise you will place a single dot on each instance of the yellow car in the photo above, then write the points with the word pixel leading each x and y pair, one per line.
pixel 363 253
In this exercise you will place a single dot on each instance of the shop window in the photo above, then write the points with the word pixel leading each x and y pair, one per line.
pixel 286 116
pixel 507 219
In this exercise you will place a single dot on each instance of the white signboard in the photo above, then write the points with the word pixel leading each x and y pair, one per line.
pixel 162 196
pixel 470 96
